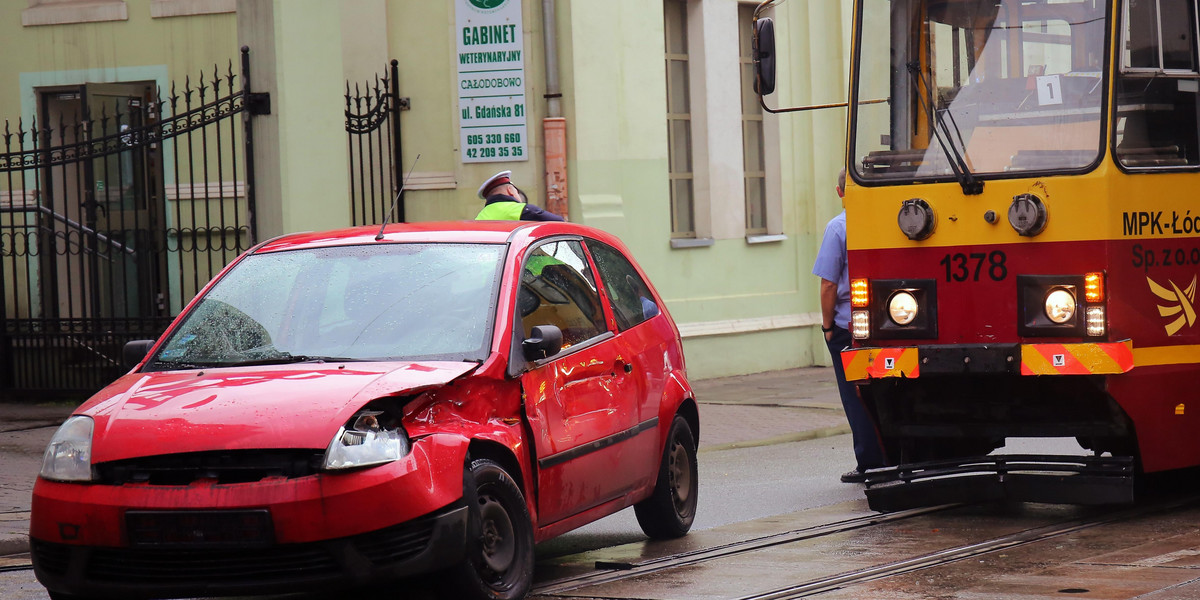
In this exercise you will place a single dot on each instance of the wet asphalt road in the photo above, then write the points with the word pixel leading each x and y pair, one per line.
pixel 753 492
pixel 736 485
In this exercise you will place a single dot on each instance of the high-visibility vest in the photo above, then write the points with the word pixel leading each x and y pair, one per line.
pixel 501 211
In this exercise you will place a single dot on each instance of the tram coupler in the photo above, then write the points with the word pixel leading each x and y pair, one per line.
pixel 1084 480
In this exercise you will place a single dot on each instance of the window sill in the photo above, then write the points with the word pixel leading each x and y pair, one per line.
pixel 765 238
pixel 183 8
pixel 75 12
pixel 691 242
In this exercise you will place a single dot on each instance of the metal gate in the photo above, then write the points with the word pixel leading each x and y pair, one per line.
pixel 373 131
pixel 116 206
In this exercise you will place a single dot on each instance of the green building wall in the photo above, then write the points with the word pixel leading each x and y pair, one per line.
pixel 742 307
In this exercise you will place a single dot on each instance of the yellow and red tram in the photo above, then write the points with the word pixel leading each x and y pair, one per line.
pixel 1023 231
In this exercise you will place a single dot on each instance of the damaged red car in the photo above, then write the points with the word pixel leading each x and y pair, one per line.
pixel 362 405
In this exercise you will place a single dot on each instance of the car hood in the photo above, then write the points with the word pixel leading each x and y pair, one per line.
pixel 286 406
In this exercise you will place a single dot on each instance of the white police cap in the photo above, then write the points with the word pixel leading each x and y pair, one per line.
pixel 500 178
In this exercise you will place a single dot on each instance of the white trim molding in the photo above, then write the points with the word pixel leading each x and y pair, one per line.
pixel 751 325
pixel 432 180
pixel 19 199
pixel 41 12
pixel 182 8
pixel 765 239
pixel 211 190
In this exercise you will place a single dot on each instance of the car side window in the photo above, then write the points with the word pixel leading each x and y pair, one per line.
pixel 558 288
pixel 631 299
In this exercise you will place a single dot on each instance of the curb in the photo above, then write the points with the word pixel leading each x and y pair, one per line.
pixel 17 544
pixel 802 436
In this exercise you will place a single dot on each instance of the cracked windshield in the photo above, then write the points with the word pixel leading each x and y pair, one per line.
pixel 958 88
pixel 377 302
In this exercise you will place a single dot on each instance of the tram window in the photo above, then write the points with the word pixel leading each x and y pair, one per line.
pixel 1158 85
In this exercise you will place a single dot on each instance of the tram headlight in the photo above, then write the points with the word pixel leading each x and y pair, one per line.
pixel 902 308
pixel 1093 287
pixel 1027 215
pixel 860 295
pixel 1096 321
pixel 1060 306
pixel 860 324
pixel 916 219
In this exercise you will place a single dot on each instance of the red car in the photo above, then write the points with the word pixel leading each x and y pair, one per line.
pixel 352 406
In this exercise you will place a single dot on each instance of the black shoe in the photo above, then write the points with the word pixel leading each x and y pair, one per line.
pixel 854 476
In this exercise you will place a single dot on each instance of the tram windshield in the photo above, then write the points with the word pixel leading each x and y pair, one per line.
pixel 963 88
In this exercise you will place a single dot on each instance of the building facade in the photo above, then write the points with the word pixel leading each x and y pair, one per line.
pixel 635 117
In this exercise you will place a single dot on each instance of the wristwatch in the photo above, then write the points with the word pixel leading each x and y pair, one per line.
pixel 825 329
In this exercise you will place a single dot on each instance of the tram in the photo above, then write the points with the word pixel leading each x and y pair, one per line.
pixel 1023 218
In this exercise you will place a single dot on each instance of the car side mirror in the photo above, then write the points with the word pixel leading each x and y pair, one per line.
pixel 134 352
pixel 764 56
pixel 543 341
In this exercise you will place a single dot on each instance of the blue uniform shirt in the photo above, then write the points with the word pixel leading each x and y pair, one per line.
pixel 831 266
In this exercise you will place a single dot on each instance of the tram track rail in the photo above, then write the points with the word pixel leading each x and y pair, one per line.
pixel 617 572
pixel 610 571
pixel 15 562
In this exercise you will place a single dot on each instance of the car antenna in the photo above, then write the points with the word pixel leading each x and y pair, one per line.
pixel 391 210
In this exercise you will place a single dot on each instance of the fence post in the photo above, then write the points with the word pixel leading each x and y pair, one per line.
pixel 248 138
pixel 397 157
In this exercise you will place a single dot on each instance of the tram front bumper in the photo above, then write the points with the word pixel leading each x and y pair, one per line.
pixel 1085 480
pixel 911 362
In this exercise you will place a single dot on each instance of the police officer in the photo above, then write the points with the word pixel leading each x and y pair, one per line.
pixel 504 202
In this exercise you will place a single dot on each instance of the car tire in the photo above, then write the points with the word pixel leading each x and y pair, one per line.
pixel 499 561
pixel 671 508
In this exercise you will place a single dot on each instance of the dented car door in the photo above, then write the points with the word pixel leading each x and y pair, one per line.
pixel 581 403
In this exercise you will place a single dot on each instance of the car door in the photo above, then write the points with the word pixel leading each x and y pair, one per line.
pixel 644 337
pixel 579 402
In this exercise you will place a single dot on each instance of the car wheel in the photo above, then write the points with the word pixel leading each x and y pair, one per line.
pixel 499 561
pixel 669 511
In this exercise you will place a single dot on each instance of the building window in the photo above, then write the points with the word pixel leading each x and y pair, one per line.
pixel 679 120
pixel 61 12
pixel 753 161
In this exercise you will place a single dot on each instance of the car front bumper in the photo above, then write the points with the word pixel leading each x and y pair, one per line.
pixel 418 546
pixel 397 519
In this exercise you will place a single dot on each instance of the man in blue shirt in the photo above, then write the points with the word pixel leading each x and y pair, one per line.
pixel 831 266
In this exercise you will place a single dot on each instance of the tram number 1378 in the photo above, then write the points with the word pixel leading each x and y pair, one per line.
pixel 962 267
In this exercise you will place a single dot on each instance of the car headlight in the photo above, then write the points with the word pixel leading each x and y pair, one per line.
pixel 68 456
pixel 902 308
pixel 1060 306
pixel 364 442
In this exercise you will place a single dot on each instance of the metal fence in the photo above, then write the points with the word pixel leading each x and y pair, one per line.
pixel 373 132
pixel 116 206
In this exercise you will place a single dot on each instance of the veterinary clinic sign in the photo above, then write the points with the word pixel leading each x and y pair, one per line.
pixel 491 81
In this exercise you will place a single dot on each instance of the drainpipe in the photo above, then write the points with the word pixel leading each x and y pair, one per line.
pixel 554 126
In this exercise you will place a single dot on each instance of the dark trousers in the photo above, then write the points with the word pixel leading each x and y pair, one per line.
pixel 867 449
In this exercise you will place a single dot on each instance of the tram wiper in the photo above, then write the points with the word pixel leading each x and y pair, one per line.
pixel 971 185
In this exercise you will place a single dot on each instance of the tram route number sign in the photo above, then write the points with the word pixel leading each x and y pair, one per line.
pixel 491 81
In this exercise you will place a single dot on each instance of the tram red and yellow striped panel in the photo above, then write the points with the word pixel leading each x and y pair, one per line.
pixel 1077 359
pixel 1103 358
pixel 874 363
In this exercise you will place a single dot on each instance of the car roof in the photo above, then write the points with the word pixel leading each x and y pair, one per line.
pixel 485 232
